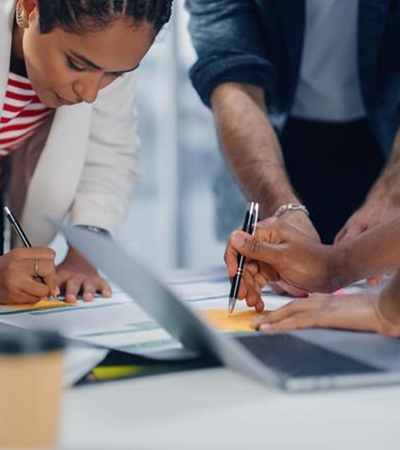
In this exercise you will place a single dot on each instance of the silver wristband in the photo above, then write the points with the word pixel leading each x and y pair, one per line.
pixel 291 207
pixel 95 229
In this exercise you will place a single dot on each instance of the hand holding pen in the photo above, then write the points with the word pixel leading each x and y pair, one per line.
pixel 249 226
pixel 27 274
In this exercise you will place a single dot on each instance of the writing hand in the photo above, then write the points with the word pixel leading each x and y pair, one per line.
pixel 27 275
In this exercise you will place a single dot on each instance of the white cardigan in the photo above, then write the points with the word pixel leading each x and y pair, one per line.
pixel 87 167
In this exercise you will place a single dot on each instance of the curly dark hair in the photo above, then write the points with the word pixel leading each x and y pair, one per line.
pixel 81 16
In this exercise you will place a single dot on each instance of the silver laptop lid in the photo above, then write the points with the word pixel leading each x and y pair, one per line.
pixel 268 359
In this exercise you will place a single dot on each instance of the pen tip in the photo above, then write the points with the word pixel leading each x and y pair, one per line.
pixel 231 304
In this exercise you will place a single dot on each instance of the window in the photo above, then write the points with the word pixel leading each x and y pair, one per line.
pixel 171 221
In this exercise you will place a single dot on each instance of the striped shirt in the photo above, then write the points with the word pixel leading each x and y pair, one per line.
pixel 22 113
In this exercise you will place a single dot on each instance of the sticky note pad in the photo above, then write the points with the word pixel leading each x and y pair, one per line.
pixel 41 304
pixel 237 321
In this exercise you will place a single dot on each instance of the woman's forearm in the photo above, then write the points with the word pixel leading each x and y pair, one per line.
pixel 375 252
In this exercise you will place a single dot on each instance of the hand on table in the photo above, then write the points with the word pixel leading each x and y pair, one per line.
pixel 76 276
pixel 27 275
pixel 360 312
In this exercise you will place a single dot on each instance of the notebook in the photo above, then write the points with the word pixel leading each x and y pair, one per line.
pixel 304 360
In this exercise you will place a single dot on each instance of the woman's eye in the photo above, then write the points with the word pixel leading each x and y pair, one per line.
pixel 74 66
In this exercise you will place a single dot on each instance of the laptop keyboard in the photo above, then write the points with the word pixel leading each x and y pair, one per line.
pixel 291 356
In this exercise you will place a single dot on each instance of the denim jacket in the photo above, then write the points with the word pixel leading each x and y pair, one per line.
pixel 260 42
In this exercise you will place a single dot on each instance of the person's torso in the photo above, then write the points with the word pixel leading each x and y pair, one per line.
pixel 328 87
pixel 377 65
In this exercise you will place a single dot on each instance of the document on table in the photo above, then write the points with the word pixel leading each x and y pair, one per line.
pixel 79 360
pixel 115 323
pixel 118 323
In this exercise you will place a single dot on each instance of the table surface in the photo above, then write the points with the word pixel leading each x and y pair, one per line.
pixel 217 409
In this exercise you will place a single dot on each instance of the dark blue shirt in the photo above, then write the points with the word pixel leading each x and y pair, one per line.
pixel 260 42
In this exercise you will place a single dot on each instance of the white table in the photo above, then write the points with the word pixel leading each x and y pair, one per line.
pixel 218 409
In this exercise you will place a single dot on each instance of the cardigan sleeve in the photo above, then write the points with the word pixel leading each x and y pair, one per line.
pixel 110 169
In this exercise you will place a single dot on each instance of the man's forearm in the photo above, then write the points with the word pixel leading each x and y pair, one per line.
pixel 250 145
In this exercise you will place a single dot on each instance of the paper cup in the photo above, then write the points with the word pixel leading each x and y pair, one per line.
pixel 30 388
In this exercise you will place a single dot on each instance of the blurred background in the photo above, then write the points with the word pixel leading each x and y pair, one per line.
pixel 171 220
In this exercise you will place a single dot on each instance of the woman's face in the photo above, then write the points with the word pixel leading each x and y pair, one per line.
pixel 66 68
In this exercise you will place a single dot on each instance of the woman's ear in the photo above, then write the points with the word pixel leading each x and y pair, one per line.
pixel 25 11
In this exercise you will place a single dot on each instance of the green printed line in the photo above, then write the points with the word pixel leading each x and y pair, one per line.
pixel 145 327
pixel 70 308
pixel 146 345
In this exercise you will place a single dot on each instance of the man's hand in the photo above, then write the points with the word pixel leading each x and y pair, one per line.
pixel 27 275
pixel 281 253
pixel 301 221
pixel 76 275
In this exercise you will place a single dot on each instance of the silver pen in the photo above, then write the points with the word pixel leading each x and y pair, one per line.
pixel 249 226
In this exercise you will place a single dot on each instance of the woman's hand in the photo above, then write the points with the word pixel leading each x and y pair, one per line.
pixel 360 312
pixel 27 275
pixel 76 275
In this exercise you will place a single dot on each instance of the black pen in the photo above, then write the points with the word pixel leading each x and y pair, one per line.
pixel 249 226
pixel 17 227
pixel 24 238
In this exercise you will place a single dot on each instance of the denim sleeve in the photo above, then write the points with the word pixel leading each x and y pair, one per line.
pixel 229 43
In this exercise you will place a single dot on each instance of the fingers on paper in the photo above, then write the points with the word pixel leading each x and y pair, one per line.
pixel 86 286
pixel 302 313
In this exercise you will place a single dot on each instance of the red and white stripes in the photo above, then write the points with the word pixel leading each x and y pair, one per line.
pixel 22 113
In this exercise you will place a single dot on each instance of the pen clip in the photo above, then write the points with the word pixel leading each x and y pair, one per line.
pixel 254 218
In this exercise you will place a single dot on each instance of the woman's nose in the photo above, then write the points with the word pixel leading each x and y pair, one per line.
pixel 87 88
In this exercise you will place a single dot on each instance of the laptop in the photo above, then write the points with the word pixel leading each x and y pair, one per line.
pixel 298 361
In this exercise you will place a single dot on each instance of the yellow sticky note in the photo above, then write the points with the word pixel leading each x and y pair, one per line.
pixel 41 304
pixel 237 321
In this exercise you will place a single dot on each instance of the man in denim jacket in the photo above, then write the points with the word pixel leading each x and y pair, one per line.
pixel 306 100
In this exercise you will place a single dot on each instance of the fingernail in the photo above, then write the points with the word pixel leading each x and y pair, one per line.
pixel 70 298
pixel 256 322
pixel 88 297
pixel 266 328
pixel 259 320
